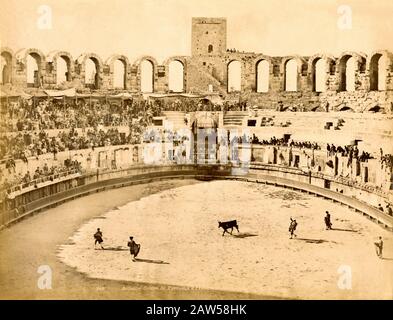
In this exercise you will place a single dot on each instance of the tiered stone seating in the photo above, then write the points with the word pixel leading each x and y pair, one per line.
pixel 234 118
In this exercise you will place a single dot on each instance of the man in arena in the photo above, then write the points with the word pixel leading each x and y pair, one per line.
pixel 98 238
pixel 379 247
pixel 328 223
pixel 134 248
pixel 292 227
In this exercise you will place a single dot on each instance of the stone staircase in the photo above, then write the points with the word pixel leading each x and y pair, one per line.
pixel 234 118
pixel 206 77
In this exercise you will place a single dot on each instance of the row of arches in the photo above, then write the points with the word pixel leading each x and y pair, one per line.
pixel 320 68
pixel 347 69
pixel 120 70
pixel 90 67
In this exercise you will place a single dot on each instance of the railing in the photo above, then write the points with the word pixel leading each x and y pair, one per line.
pixel 35 183
pixel 344 181
pixel 58 191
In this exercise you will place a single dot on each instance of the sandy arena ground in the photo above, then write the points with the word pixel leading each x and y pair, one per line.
pixel 34 242
pixel 182 245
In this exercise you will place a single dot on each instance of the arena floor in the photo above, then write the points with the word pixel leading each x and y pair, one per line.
pixel 183 253
pixel 182 246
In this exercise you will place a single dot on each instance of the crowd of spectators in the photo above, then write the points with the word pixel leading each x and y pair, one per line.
pixel 165 135
pixel 286 143
pixel 25 128
pixel 33 144
pixel 350 151
pixel 24 125
pixel 40 174
pixel 387 160
pixel 30 115
pixel 43 114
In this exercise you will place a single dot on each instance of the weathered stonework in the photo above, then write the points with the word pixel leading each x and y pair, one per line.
pixel 206 71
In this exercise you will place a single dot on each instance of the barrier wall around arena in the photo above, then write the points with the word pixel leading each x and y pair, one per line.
pixel 34 201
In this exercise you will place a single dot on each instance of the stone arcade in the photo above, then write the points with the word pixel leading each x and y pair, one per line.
pixel 368 87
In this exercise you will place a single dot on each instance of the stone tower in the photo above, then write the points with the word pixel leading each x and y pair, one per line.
pixel 209 36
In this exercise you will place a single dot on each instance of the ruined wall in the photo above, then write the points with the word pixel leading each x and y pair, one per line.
pixel 207 71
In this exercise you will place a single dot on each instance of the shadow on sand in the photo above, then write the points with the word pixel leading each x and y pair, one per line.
pixel 317 241
pixel 383 258
pixel 348 230
pixel 150 261
pixel 244 235
pixel 115 249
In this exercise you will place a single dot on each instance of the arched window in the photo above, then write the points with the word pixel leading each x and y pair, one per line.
pixel 176 76
pixel 33 70
pixel 234 76
pixel 347 69
pixel 119 74
pixel 319 75
pixel 62 70
pixel 147 76
pixel 291 75
pixel 263 76
pixel 350 74
pixel 210 48
pixel 378 72
pixel 6 67
pixel 91 74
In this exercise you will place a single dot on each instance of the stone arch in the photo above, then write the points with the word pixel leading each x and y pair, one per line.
pixel 360 67
pixel 236 83
pixel 329 68
pixel 317 108
pixel 376 109
pixel 204 120
pixel 39 74
pixel 154 63
pixel 52 59
pixel 373 68
pixel 81 61
pixel 300 63
pixel 301 69
pixel 183 61
pixel 110 62
pixel 346 108
pixel 256 64
pixel 7 71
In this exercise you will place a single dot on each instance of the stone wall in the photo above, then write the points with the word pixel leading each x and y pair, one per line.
pixel 207 70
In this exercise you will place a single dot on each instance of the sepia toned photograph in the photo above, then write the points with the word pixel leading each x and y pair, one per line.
pixel 196 150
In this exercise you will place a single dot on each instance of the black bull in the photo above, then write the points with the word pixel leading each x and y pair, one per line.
pixel 228 225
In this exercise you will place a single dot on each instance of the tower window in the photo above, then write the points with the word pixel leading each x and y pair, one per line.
pixel 210 48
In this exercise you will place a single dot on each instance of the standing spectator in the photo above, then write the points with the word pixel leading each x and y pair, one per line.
pixel 379 247
pixel 389 210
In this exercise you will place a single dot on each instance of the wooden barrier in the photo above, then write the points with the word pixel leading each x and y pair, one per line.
pixel 49 196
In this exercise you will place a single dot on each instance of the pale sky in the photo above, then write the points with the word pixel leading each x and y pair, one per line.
pixel 162 28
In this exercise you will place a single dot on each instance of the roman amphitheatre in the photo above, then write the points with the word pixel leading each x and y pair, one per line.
pixel 241 136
